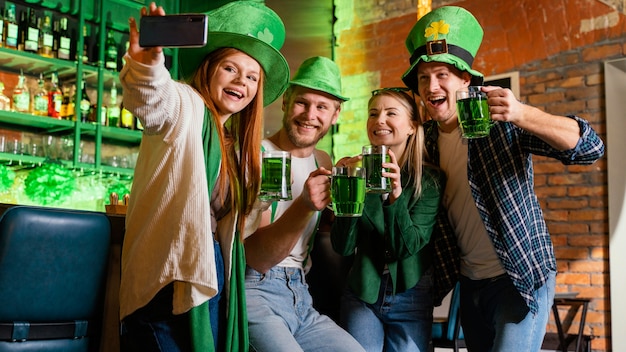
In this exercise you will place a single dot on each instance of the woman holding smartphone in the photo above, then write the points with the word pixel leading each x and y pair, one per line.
pixel 388 302
pixel 197 177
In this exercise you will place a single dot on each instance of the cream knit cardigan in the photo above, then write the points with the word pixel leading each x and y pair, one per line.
pixel 168 224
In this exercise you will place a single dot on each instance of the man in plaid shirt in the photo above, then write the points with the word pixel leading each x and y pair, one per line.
pixel 493 237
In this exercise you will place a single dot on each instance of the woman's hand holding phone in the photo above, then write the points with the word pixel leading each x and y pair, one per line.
pixel 150 55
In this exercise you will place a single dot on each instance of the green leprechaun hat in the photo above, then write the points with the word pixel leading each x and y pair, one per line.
pixel 448 34
pixel 253 28
pixel 319 73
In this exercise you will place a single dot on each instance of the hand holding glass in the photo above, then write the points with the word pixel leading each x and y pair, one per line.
pixel 347 191
pixel 473 112
pixel 276 176
pixel 373 158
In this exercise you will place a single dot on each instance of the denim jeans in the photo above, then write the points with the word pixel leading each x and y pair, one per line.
pixel 153 328
pixel 281 316
pixel 400 322
pixel 496 318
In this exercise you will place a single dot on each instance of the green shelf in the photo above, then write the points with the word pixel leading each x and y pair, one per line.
pixel 35 123
pixel 121 134
pixel 33 65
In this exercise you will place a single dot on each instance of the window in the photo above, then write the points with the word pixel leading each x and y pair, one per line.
pixel 505 80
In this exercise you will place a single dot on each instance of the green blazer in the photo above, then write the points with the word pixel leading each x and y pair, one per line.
pixel 397 235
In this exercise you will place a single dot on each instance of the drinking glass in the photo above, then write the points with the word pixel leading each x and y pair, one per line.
pixel 348 191
pixel 373 158
pixel 473 112
pixel 276 176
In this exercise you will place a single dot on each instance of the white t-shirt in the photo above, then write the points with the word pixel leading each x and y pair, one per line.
pixel 478 257
pixel 300 170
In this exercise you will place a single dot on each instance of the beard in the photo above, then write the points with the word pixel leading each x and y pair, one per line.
pixel 301 141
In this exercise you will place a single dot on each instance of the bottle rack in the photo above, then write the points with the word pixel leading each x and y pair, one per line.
pixel 101 15
pixel 14 61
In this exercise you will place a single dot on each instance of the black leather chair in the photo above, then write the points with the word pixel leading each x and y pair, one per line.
pixel 52 279
pixel 448 333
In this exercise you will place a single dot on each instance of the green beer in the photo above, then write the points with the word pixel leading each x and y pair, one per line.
pixel 348 195
pixel 276 178
pixel 474 117
pixel 375 182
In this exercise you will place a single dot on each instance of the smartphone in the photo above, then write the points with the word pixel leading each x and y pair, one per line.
pixel 182 31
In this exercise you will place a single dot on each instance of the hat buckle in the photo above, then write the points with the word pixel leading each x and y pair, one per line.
pixel 435 47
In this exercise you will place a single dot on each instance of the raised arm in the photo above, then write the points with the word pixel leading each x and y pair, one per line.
pixel 560 132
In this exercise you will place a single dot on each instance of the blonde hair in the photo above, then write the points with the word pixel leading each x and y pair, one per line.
pixel 242 133
pixel 412 160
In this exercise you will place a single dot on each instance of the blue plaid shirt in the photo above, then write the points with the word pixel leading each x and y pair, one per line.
pixel 500 172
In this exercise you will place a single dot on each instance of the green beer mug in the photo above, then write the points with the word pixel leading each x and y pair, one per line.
pixel 473 112
pixel 373 158
pixel 275 176
pixel 347 191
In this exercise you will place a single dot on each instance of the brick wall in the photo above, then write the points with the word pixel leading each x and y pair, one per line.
pixel 558 47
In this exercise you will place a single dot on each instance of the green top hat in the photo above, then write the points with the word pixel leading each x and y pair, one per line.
pixel 253 28
pixel 448 34
pixel 319 73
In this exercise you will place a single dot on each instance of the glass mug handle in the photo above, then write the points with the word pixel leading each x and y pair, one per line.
pixel 329 206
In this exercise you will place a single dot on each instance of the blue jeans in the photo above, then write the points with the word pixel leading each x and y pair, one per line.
pixel 281 316
pixel 400 322
pixel 496 318
pixel 153 328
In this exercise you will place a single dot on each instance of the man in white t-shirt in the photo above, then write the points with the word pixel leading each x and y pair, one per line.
pixel 281 316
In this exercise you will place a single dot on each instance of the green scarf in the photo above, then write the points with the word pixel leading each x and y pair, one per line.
pixel 236 336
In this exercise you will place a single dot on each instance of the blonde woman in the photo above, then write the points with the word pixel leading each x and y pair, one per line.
pixel 388 302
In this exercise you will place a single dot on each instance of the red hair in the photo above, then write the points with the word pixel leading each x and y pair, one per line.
pixel 242 134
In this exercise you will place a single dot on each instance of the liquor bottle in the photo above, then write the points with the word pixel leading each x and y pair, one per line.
pixel 46 36
pixel 40 98
pixel 86 42
pixel 85 103
pixel 110 54
pixel 12 28
pixel 126 45
pixel 55 97
pixel 5 102
pixel 55 38
pixel 22 30
pixel 67 107
pixel 94 117
pixel 65 41
pixel 138 125
pixel 2 15
pixel 113 110
pixel 21 95
pixel 31 42
pixel 126 118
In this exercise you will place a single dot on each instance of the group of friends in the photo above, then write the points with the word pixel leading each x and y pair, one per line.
pixel 206 266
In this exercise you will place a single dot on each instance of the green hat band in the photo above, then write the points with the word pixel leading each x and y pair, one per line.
pixel 441 47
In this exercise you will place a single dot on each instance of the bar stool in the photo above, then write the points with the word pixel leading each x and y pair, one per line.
pixel 52 277
pixel 581 304
pixel 447 332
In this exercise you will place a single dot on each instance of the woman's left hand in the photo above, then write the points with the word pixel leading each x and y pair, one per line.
pixel 147 56
pixel 393 173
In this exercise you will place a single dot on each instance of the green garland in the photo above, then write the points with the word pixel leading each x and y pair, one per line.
pixel 7 176
pixel 49 184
